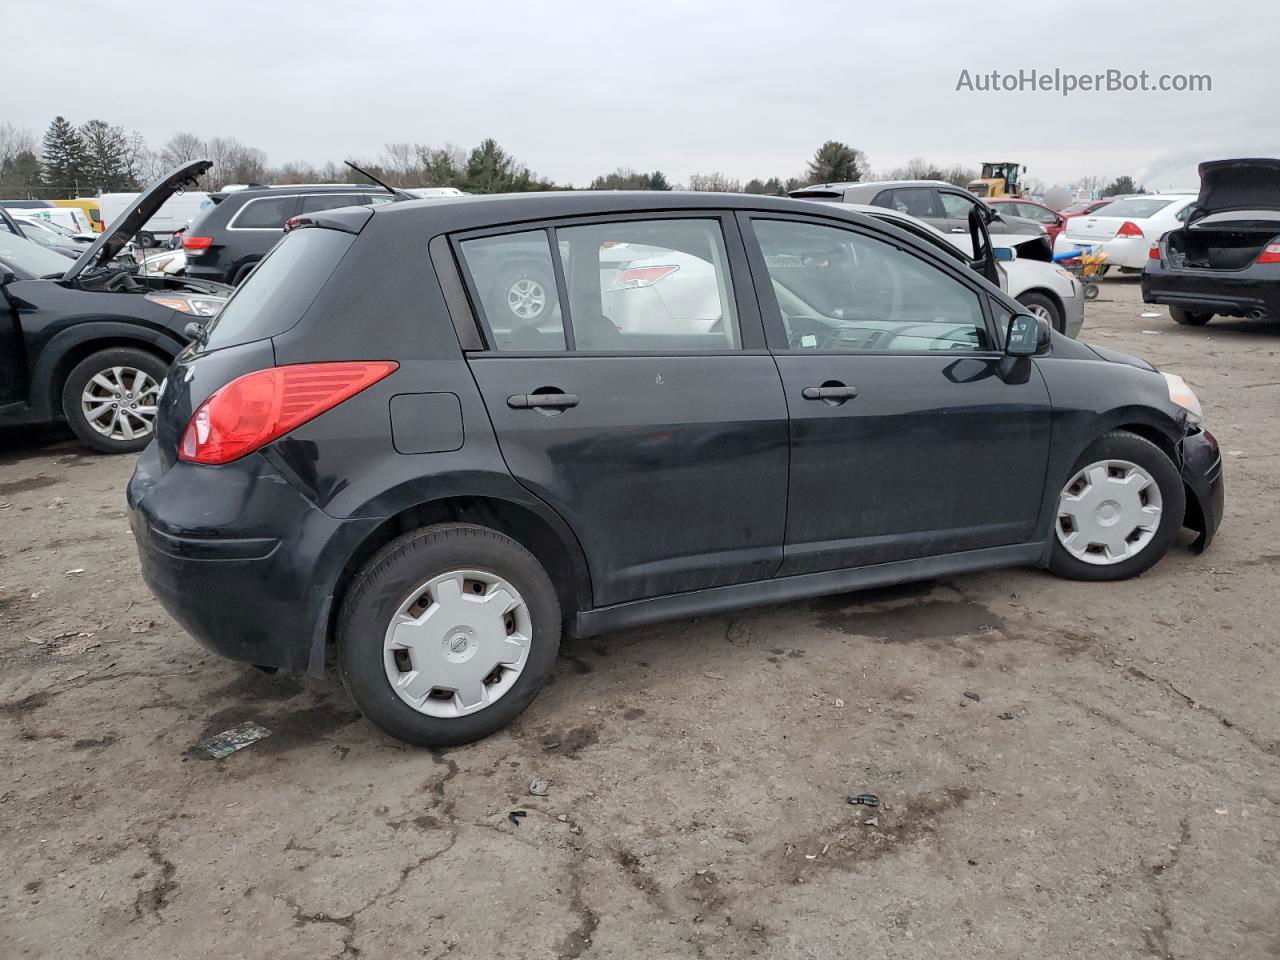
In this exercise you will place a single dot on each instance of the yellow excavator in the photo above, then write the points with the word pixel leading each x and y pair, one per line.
pixel 999 179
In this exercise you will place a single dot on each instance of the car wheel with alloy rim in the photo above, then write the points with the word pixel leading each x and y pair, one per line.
pixel 110 398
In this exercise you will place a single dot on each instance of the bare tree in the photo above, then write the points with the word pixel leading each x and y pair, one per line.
pixel 715 182
pixel 181 148
pixel 233 162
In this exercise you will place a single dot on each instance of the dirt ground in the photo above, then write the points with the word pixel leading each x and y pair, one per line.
pixel 1066 769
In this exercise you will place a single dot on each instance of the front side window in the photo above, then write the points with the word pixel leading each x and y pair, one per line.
pixel 842 291
pixel 956 206
pixel 265 213
pixel 649 285
pixel 515 282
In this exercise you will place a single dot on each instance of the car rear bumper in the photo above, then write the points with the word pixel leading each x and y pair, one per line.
pixel 1130 252
pixel 243 562
pixel 1228 294
pixel 1202 475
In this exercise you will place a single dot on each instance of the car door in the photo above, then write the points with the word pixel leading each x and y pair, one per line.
pixel 918 202
pixel 13 363
pixel 955 210
pixel 905 441
pixel 630 389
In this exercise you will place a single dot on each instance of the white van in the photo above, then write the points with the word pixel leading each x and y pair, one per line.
pixel 174 214
pixel 73 218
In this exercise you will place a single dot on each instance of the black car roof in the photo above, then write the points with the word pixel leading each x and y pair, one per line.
pixel 464 213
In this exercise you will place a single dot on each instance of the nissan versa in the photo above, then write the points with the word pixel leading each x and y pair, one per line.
pixel 733 400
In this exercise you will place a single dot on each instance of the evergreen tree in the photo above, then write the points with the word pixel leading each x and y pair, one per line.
pixel 107 157
pixel 836 162
pixel 63 155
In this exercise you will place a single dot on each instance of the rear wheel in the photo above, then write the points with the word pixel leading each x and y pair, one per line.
pixel 1189 319
pixel 448 634
pixel 1043 306
pixel 110 397
pixel 1118 511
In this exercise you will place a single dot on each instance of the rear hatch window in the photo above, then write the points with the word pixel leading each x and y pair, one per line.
pixel 281 288
pixel 1137 208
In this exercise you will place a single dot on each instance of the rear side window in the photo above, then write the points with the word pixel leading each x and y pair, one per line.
pixel 329 201
pixel 516 283
pixel 265 213
pixel 281 287
pixel 916 201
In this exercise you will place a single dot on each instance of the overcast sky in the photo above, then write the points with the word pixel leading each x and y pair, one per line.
pixel 575 89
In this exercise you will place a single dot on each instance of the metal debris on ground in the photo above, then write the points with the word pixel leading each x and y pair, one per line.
pixel 871 822
pixel 229 741
pixel 972 696
pixel 516 815
pixel 865 799
pixel 539 787
pixel 1004 716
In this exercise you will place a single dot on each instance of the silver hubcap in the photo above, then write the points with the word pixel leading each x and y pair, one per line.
pixel 120 403
pixel 1108 512
pixel 457 643
pixel 1040 310
pixel 526 298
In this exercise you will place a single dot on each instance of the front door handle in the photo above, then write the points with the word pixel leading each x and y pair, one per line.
pixel 829 393
pixel 534 401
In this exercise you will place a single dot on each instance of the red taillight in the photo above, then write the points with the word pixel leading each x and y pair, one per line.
pixel 291 223
pixel 1129 229
pixel 1154 252
pixel 1270 253
pixel 634 277
pixel 196 243
pixel 251 411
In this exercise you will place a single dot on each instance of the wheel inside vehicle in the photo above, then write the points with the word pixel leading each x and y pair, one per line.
pixel 526 294
pixel 1189 319
pixel 447 634
pixel 242 272
pixel 1118 511
pixel 146 239
pixel 1042 306
pixel 110 397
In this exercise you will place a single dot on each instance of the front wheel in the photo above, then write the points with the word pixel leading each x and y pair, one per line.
pixel 448 634
pixel 1118 512
pixel 1039 305
pixel 1189 318
pixel 110 397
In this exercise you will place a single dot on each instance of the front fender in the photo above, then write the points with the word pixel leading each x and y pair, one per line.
pixel 79 338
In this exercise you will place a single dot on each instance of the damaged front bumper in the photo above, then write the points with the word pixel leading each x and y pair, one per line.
pixel 1202 477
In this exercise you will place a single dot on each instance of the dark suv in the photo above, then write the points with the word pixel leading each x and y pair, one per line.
pixel 732 400
pixel 235 229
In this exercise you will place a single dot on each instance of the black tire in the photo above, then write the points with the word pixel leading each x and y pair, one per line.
pixel 1122 445
pixel 104 360
pixel 508 279
pixel 1188 318
pixel 381 587
pixel 1048 304
pixel 146 239
pixel 241 272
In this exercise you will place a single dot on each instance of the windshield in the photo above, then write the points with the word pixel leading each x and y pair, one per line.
pixel 28 259
pixel 280 288
pixel 1135 208
pixel 40 233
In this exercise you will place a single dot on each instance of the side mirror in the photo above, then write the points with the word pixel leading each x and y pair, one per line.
pixel 1006 254
pixel 1027 336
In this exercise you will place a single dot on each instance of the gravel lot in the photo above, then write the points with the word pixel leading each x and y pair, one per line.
pixel 1067 769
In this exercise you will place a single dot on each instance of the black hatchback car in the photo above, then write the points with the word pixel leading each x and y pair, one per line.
pixel 733 400
pixel 1225 259
pixel 235 229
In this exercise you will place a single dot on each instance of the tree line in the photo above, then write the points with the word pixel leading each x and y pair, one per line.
pixel 98 156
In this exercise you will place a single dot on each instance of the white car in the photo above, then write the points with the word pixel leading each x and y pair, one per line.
pixel 72 219
pixel 170 263
pixel 1125 229
pixel 1044 288
pixel 174 214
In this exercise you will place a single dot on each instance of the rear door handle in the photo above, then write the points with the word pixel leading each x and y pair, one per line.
pixel 532 401
pixel 829 393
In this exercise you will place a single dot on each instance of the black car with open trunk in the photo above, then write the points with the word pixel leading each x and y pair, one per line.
pixel 1225 260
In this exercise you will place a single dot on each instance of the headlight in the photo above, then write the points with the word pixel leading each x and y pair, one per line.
pixel 1065 274
pixel 197 306
pixel 1183 395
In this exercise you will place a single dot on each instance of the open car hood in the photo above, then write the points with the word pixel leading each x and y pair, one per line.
pixel 112 240
pixel 1247 184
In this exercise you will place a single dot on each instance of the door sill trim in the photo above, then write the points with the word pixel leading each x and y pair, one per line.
pixel 736 596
